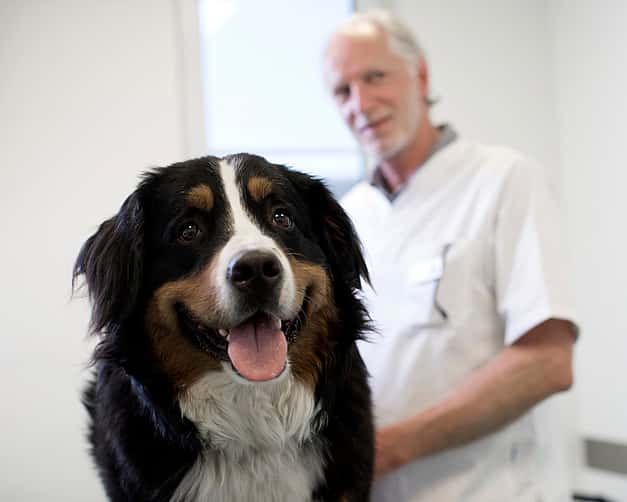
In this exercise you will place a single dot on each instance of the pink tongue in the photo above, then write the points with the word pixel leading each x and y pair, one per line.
pixel 258 349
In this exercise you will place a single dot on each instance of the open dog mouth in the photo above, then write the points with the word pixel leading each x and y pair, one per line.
pixel 256 348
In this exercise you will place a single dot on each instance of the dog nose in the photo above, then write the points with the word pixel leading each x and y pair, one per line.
pixel 258 271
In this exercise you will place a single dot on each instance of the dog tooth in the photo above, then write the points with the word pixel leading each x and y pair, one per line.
pixel 223 332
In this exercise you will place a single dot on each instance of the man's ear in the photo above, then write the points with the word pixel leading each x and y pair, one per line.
pixel 423 80
pixel 111 261
pixel 338 238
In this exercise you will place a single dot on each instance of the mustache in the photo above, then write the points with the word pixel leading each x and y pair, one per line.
pixel 364 120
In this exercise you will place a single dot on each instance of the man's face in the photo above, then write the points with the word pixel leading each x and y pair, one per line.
pixel 379 96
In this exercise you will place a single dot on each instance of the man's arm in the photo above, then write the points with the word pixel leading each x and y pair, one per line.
pixel 536 366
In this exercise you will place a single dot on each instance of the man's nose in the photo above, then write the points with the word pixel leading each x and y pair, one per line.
pixel 361 99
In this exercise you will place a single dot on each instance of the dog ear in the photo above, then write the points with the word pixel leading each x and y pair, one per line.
pixel 338 238
pixel 111 261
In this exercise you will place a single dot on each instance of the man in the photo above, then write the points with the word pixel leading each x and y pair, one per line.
pixel 474 325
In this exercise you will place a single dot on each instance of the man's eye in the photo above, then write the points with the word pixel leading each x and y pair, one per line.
pixel 374 76
pixel 341 92
pixel 282 219
pixel 188 232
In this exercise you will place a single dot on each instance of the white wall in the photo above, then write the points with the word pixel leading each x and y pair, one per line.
pixel 89 96
pixel 591 61
pixel 491 69
pixel 591 81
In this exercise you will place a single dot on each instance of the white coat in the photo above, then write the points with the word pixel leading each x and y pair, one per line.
pixel 464 261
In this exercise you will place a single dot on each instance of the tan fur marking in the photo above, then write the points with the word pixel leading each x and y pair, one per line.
pixel 259 188
pixel 313 339
pixel 200 197
pixel 176 353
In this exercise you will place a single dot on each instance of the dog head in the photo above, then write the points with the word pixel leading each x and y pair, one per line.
pixel 230 264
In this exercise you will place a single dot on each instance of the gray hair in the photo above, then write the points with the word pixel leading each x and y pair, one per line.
pixel 401 39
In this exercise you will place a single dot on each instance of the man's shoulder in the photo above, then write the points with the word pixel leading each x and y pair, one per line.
pixel 491 151
pixel 355 197
pixel 497 160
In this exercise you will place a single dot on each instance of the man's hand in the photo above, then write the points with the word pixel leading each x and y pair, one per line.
pixel 390 450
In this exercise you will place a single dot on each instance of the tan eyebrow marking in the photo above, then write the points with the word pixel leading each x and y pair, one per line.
pixel 200 197
pixel 259 187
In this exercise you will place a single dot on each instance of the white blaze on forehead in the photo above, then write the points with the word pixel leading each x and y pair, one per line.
pixel 244 228
pixel 247 235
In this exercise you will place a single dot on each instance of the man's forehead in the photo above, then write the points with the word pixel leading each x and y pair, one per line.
pixel 358 29
pixel 348 44
pixel 351 55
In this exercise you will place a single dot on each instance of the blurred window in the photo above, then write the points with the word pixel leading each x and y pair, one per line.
pixel 263 87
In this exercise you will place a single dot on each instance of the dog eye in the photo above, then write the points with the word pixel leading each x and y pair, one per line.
pixel 188 232
pixel 281 219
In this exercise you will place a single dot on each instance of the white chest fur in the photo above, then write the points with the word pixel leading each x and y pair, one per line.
pixel 260 442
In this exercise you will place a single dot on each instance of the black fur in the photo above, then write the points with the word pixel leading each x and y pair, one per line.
pixel 141 444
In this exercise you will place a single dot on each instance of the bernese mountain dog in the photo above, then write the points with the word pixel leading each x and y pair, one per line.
pixel 225 297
